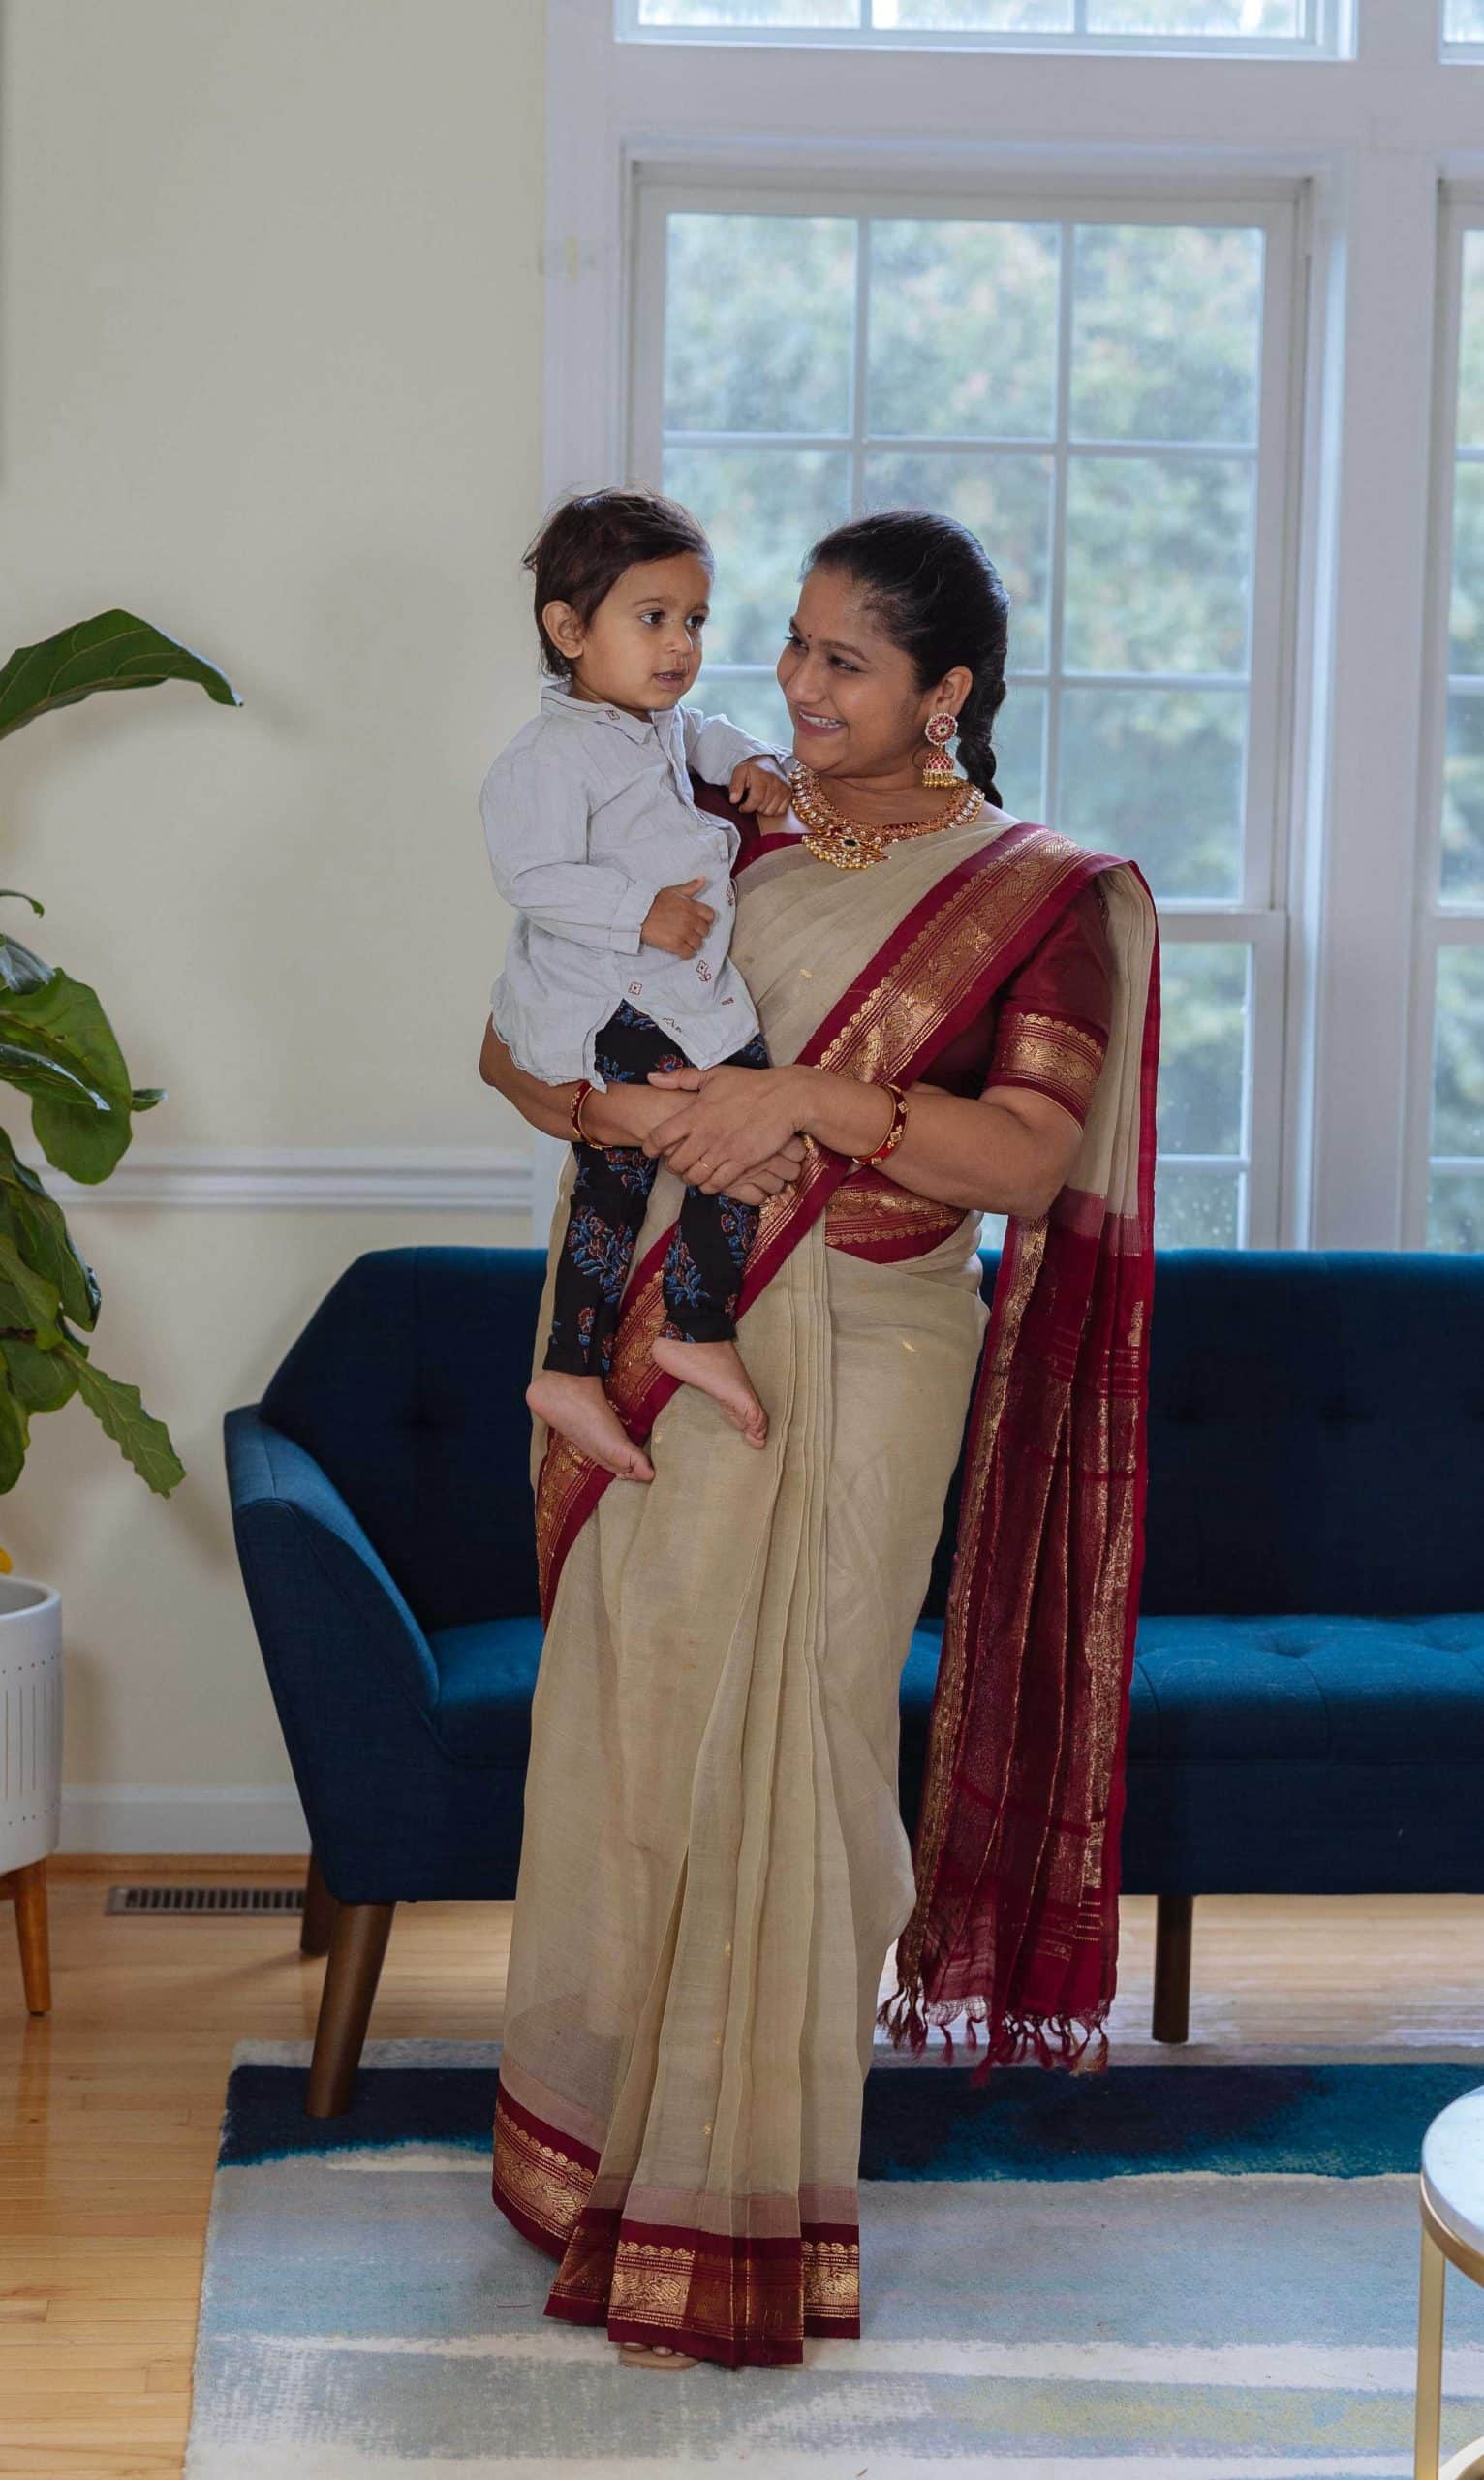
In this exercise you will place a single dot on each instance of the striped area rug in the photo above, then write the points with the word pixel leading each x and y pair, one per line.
pixel 1173 2272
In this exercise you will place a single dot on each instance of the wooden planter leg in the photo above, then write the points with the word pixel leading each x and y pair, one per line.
pixel 27 1888
pixel 1174 1917
pixel 319 1912
pixel 357 1947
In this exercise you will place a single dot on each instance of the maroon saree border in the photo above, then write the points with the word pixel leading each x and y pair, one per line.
pixel 570 1486
pixel 746 2301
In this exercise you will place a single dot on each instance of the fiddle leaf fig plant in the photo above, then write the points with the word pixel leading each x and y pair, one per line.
pixel 58 1049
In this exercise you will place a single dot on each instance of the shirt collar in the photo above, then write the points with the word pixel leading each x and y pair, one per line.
pixel 556 700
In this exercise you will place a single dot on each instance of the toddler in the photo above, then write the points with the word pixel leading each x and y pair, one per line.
pixel 617 967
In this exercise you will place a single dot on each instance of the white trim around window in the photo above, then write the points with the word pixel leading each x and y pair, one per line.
pixel 1255 915
pixel 1441 922
pixel 1362 145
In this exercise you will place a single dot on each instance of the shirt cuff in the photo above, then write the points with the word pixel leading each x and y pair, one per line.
pixel 628 917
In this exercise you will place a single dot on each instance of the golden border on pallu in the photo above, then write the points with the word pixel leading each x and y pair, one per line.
pixel 937 968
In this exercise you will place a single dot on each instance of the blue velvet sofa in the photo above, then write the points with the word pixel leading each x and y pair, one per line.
pixel 1308 1710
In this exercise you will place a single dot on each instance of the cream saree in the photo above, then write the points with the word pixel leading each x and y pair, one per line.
pixel 714 1866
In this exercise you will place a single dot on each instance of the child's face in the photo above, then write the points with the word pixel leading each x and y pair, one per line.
pixel 641 648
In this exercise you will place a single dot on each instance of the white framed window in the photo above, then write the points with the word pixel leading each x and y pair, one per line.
pixel 1288 28
pixel 1448 1135
pixel 1104 387
pixel 1358 117
pixel 1463 29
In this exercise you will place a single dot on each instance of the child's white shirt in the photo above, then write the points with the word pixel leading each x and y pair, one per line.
pixel 588 813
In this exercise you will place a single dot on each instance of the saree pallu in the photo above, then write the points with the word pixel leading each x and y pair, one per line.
pixel 714 1865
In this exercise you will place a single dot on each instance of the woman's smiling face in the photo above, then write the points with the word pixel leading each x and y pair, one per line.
pixel 853 695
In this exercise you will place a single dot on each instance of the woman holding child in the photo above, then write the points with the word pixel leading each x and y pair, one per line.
pixel 743 1448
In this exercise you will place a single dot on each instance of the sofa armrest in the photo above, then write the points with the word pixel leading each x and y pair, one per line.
pixel 339 1641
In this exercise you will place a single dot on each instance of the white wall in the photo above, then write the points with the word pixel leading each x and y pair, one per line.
pixel 269 376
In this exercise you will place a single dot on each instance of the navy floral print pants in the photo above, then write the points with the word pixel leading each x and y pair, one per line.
pixel 707 1253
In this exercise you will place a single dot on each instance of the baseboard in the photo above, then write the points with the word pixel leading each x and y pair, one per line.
pixel 137 1817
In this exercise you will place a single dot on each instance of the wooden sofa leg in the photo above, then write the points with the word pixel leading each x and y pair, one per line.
pixel 357 1947
pixel 27 1889
pixel 319 1912
pixel 1174 1916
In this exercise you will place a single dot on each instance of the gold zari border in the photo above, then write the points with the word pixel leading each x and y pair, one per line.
pixel 541 2181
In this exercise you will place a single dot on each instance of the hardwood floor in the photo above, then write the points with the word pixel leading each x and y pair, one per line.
pixel 110 2106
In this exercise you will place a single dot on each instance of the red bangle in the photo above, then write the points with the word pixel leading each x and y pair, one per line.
pixel 897 1131
pixel 579 1136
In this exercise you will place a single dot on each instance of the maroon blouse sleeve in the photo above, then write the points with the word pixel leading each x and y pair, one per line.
pixel 1052 1017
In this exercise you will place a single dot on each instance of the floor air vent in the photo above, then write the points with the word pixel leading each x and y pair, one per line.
pixel 205 1899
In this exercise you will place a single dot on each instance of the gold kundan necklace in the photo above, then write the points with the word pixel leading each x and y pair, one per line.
pixel 845 846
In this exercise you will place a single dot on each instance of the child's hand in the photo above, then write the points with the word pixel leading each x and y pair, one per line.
pixel 756 784
pixel 676 923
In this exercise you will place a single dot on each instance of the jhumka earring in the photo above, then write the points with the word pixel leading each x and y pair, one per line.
pixel 937 765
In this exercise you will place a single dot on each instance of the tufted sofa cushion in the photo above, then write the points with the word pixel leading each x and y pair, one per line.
pixel 408 1388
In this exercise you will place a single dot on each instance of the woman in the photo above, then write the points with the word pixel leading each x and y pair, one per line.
pixel 714 1864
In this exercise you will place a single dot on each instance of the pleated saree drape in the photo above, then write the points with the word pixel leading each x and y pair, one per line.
pixel 714 1866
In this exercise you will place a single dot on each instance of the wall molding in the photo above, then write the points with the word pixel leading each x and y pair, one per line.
pixel 428 1177
pixel 165 1818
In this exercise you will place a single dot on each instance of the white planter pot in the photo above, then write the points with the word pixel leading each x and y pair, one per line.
pixel 30 1721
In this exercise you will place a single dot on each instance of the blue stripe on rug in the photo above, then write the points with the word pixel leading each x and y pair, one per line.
pixel 1330 2120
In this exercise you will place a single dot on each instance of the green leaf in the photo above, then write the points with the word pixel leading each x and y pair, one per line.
pixel 142 1441
pixel 39 1381
pixel 37 1226
pixel 15 1438
pixel 34 1072
pixel 20 967
pixel 113 651
pixel 82 1127
pixel 144 1097
pixel 27 1298
pixel 33 901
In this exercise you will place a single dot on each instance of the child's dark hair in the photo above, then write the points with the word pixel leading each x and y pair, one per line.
pixel 589 541
pixel 938 596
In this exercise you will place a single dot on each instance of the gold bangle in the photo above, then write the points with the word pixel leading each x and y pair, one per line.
pixel 895 1133
pixel 579 1134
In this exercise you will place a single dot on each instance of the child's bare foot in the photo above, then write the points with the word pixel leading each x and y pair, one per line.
pixel 718 1370
pixel 580 1409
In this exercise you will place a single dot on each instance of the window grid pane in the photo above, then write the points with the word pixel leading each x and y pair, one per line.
pixel 1463 22
pixel 1238 26
pixel 1126 715
pixel 1455 1185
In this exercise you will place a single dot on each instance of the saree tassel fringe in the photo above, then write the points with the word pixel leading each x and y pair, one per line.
pixel 1077 2043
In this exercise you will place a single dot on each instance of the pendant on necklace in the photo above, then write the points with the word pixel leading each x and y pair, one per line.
pixel 846 848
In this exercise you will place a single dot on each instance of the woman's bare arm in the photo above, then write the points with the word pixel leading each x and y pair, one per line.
pixel 1006 1153
pixel 620 1115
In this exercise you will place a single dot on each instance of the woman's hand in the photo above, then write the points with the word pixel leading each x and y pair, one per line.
pixel 723 1123
pixel 780 1172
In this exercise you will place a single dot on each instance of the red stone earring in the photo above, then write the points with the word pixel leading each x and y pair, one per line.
pixel 938 769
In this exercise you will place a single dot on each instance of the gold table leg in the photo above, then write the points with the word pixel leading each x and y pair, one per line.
pixel 1469 2463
